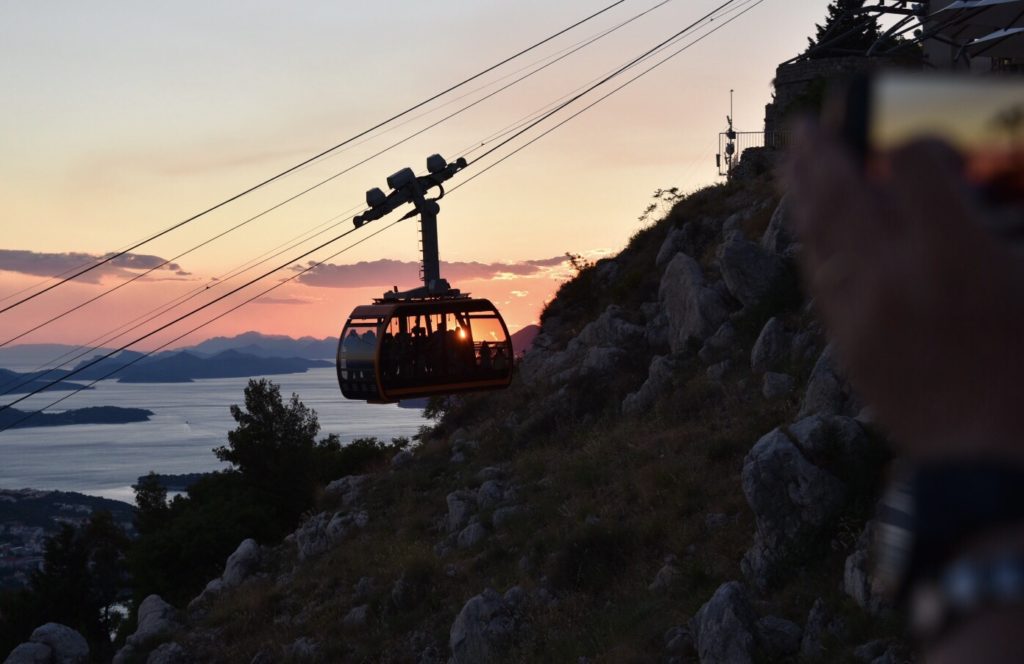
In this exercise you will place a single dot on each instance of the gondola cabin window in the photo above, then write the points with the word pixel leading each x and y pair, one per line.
pixel 357 353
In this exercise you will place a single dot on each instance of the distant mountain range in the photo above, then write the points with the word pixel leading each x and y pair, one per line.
pixel 185 366
pixel 28 357
pixel 263 345
pixel 13 382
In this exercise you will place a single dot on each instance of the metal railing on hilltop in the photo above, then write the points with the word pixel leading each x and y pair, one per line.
pixel 732 145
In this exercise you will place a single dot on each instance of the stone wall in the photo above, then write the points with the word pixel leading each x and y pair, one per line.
pixel 794 80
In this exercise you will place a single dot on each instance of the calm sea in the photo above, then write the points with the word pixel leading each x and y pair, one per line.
pixel 190 420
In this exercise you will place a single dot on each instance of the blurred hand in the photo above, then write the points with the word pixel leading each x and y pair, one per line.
pixel 927 311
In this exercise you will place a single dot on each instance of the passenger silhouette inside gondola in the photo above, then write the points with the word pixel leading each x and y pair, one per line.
pixel 485 358
pixel 500 362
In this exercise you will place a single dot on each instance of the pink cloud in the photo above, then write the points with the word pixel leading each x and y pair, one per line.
pixel 50 264
pixel 387 272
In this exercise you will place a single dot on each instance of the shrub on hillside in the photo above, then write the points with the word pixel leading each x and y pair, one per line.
pixel 278 467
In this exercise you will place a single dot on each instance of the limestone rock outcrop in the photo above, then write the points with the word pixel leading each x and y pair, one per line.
pixel 51 643
pixel 725 628
pixel 791 499
pixel 771 351
pixel 659 379
pixel 155 620
pixel 751 273
pixel 483 628
pixel 694 310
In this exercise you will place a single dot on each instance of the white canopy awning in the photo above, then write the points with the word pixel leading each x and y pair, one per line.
pixel 1006 43
pixel 964 21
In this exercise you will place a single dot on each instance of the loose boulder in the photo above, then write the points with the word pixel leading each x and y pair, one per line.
pixel 719 345
pixel 471 535
pixel 678 239
pixel 348 488
pixel 483 628
pixel 66 645
pixel 241 564
pixel 489 494
pixel 857 582
pixel 155 619
pixel 610 329
pixel 694 310
pixel 792 500
pixel 461 506
pixel 837 444
pixel 666 577
pixel 778 238
pixel 821 623
pixel 777 385
pixel 827 392
pixel 30 653
pixel 325 530
pixel 168 653
pixel 771 351
pixel 659 379
pixel 752 274
pixel 503 516
pixel 779 638
pixel 357 618
pixel 725 628
pixel 596 351
pixel 402 458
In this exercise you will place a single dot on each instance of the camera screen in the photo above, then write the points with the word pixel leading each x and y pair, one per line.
pixel 982 118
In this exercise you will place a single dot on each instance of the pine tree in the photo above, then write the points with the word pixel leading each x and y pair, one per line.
pixel 273 447
pixel 863 30
pixel 151 500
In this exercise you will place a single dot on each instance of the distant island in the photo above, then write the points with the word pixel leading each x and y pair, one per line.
pixel 169 367
pixel 12 417
pixel 185 367
pixel 243 356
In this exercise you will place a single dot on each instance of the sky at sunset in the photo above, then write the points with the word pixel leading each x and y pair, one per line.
pixel 120 119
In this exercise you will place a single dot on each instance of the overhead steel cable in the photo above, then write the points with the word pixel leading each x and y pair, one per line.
pixel 143 356
pixel 526 119
pixel 95 361
pixel 97 343
pixel 595 102
pixel 544 117
pixel 557 55
pixel 605 79
pixel 579 46
pixel 296 167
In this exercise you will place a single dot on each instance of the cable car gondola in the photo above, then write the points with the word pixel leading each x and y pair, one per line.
pixel 431 340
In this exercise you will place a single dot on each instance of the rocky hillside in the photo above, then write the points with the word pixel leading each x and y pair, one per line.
pixel 679 473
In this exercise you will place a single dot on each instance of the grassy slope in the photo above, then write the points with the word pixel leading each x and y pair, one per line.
pixel 608 499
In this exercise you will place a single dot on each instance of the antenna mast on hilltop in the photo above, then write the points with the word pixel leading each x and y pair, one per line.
pixel 730 145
